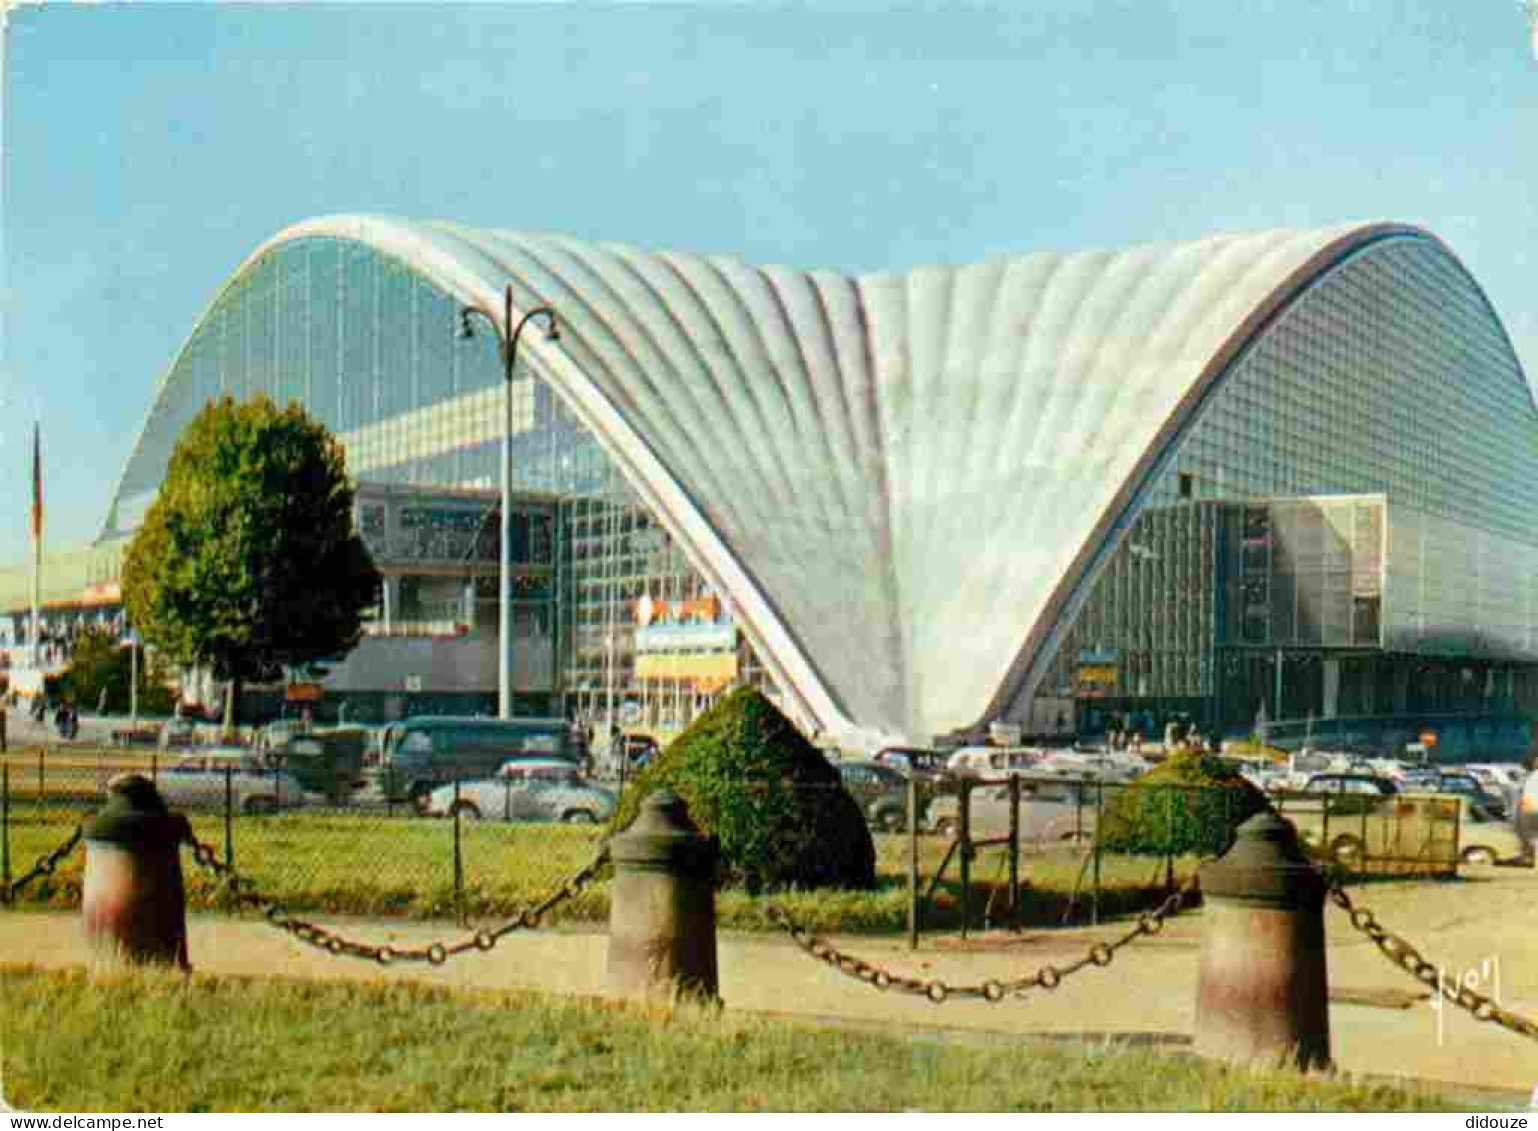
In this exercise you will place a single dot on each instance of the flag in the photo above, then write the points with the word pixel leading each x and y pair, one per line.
pixel 37 481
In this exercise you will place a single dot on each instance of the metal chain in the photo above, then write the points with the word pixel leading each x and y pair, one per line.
pixel 435 953
pixel 1402 954
pixel 992 990
pixel 44 866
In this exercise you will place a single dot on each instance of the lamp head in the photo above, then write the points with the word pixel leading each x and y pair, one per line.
pixel 466 331
pixel 552 329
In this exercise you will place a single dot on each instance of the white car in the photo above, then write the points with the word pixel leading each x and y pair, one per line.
pixel 198 781
pixel 532 789
pixel 1107 767
pixel 1501 778
pixel 983 761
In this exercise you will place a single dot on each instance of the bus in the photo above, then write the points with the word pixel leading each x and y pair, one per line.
pixel 422 753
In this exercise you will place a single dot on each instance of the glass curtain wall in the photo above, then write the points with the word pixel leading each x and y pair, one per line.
pixel 372 350
pixel 1390 375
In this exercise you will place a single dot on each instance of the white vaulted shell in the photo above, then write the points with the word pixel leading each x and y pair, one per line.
pixel 903 481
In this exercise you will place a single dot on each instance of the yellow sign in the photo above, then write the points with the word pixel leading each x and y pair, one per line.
pixel 706 670
pixel 1096 681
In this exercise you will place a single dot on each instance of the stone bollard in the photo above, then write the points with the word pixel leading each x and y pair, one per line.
pixel 1262 994
pixel 662 915
pixel 134 906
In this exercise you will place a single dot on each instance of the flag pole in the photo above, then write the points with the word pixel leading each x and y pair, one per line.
pixel 37 541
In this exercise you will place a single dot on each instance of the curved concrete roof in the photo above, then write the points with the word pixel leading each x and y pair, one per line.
pixel 902 480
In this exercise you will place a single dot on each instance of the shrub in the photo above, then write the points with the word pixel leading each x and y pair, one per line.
pixel 776 806
pixel 1190 804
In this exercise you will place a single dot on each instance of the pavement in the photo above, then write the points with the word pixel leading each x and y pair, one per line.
pixel 1483 929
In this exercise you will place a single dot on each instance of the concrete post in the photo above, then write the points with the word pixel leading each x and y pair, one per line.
pixel 1262 994
pixel 662 917
pixel 134 906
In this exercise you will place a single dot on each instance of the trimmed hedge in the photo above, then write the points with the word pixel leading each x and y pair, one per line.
pixel 776 806
pixel 1189 804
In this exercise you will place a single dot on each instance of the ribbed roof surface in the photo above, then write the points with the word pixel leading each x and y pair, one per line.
pixel 900 479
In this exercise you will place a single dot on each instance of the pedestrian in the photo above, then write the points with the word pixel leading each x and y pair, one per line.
pixel 2 727
pixel 101 701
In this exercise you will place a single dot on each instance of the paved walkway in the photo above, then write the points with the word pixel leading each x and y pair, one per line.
pixel 1489 927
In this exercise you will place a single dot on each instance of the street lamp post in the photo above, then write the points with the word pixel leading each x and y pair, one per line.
pixel 608 644
pixel 510 336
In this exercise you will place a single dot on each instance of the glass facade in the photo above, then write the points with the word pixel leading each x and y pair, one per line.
pixel 1354 489
pixel 1388 376
pixel 371 348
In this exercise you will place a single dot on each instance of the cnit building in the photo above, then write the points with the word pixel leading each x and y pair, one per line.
pixel 1286 475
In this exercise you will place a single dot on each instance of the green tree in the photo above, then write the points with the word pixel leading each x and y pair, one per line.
pixel 99 663
pixel 248 562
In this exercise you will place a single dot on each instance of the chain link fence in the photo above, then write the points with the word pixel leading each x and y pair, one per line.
pixel 319 841
pixel 269 840
pixel 1030 849
pixel 1046 850
pixel 1001 851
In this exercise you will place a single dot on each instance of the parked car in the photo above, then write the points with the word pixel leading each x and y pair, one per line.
pixel 639 750
pixel 981 761
pixel 422 753
pixel 880 791
pixel 1485 838
pixel 909 760
pixel 197 781
pixel 1361 822
pixel 1050 813
pixel 1118 767
pixel 1527 809
pixel 1469 786
pixel 1504 779
pixel 176 733
pixel 1369 784
pixel 526 790
pixel 328 761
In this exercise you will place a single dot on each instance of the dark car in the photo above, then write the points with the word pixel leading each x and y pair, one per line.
pixel 1350 783
pixel 926 765
pixel 880 791
pixel 639 750
pixel 328 762
pixel 422 753
pixel 1472 788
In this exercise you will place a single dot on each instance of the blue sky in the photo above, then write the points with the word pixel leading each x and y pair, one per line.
pixel 148 148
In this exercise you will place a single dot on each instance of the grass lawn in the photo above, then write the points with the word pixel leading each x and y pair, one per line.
pixel 160 1042
pixel 377 865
